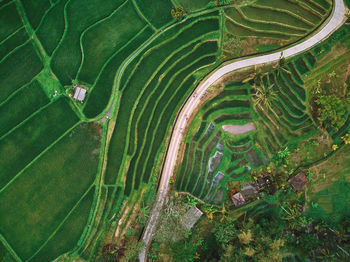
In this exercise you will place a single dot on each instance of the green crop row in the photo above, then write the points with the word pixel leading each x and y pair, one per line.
pixel 227 104
pixel 100 94
pixel 197 190
pixel 42 196
pixel 66 58
pixel 143 73
pixel 169 114
pixel 9 19
pixel 23 144
pixel 293 7
pixel 12 42
pixel 165 113
pixel 156 12
pixel 60 243
pixel 17 69
pixel 239 17
pixel 102 40
pixel 192 5
pixel 145 106
pixel 35 10
pixel 52 27
pixel 273 15
pixel 21 105
pixel 230 117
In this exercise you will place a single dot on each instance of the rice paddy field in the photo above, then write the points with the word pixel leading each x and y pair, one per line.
pixel 67 167
pixel 218 152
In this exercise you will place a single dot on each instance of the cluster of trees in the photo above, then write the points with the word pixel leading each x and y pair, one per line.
pixel 178 12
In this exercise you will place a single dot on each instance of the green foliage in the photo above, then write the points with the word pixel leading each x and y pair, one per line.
pixel 184 250
pixel 224 232
pixel 332 110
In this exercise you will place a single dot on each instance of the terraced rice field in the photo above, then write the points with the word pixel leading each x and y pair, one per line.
pixel 214 157
pixel 165 81
pixel 270 24
pixel 138 66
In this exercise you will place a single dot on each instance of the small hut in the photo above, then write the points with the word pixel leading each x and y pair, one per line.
pixel 191 217
pixel 238 199
pixel 298 181
pixel 79 93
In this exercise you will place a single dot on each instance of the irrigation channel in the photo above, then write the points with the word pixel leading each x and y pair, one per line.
pixel 336 19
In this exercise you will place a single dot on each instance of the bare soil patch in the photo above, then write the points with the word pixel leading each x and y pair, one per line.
pixel 238 129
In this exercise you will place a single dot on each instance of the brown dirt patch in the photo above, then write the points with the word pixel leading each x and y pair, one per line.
pixel 238 129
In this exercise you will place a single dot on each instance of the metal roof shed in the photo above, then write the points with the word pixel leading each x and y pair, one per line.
pixel 79 94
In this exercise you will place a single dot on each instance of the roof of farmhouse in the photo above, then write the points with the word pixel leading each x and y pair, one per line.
pixel 191 217
pixel 298 181
pixel 79 94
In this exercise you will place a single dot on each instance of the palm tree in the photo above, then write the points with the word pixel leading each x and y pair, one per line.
pixel 265 95
pixel 282 66
pixel 264 98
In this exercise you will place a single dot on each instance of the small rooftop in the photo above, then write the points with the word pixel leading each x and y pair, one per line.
pixel 298 181
pixel 238 199
pixel 248 190
pixel 191 217
pixel 79 93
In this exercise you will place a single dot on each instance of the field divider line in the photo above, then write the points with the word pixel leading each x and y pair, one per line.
pixel 268 32
pixel 90 230
pixel 159 45
pixel 221 30
pixel 10 249
pixel 88 28
pixel 61 224
pixel 286 12
pixel 320 6
pixel 308 8
pixel 38 47
pixel 24 121
pixel 65 18
pixel 244 16
pixel 157 102
pixel 159 68
pixel 111 57
pixel 52 5
pixel 7 4
pixel 39 155
pixel 116 92
pixel 11 35
pixel 188 76
pixel 206 164
pixel 139 12
pixel 18 90
pixel 121 69
pixel 292 89
pixel 14 50
pixel 203 151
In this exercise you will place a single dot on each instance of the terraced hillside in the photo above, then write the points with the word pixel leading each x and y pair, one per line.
pixel 237 132
pixel 67 166
pixel 265 24
pixel 166 79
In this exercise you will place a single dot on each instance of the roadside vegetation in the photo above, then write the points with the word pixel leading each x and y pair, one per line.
pixel 78 179
pixel 300 112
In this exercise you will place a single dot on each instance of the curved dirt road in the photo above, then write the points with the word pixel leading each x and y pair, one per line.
pixel 336 20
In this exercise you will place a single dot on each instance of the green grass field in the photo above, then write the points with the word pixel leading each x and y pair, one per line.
pixel 35 204
pixel 21 105
pixel 22 62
